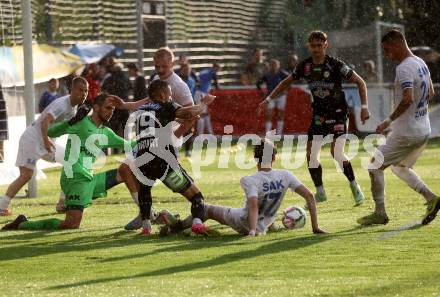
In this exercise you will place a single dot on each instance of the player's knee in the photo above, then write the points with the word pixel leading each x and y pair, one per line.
pixel 124 171
pixel 26 175
pixel 397 170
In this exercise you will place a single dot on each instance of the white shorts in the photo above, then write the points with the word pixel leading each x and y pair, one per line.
pixel 235 218
pixel 402 151
pixel 30 150
pixel 279 103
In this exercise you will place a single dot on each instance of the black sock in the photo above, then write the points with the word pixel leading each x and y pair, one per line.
pixel 316 174
pixel 197 206
pixel 348 171
pixel 145 202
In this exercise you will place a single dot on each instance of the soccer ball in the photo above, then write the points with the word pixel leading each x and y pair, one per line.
pixel 294 217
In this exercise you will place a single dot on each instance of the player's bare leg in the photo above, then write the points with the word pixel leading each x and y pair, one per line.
pixel 24 177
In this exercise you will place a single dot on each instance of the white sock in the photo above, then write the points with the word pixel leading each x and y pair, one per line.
pixel 4 202
pixel 413 181
pixel 353 183
pixel 378 189
pixel 134 195
pixel 146 224
pixel 268 126
pixel 197 221
pixel 320 190
pixel 280 126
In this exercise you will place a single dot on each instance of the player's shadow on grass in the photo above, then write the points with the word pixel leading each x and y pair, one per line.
pixel 22 245
pixel 275 247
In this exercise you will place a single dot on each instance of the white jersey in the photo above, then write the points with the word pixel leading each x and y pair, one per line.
pixel 60 109
pixel 179 89
pixel 412 73
pixel 269 187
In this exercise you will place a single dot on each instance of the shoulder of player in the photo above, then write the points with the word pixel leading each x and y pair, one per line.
pixel 248 179
pixel 408 65
pixel 334 60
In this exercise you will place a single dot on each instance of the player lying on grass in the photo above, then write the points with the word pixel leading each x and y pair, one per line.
pixel 156 156
pixel 264 193
pixel 87 137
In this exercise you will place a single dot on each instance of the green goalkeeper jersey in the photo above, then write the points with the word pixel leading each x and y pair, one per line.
pixel 84 144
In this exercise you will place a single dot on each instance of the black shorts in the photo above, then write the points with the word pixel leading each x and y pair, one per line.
pixel 176 180
pixel 327 126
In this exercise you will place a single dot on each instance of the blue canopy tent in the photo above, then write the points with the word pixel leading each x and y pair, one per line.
pixel 92 53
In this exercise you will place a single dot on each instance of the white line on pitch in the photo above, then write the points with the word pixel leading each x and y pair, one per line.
pixel 400 229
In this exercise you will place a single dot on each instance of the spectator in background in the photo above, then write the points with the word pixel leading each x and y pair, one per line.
pixel 255 69
pixel 139 83
pixel 182 61
pixel 207 78
pixel 292 61
pixel 117 83
pixel 185 74
pixel 272 79
pixel 370 74
pixel 94 79
pixel 50 95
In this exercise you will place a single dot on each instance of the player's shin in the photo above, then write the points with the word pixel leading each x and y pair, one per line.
pixel 198 212
pixel 378 189
pixel 48 224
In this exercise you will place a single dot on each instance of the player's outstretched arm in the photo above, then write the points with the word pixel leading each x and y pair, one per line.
pixel 189 112
pixel 61 128
pixel 282 86
pixel 121 104
pixel 252 215
pixel 310 200
pixel 362 88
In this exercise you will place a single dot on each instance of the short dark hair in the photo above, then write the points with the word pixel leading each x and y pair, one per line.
pixel 156 87
pixel 100 98
pixel 259 149
pixel 132 66
pixel 317 35
pixel 52 80
pixel 393 35
pixel 79 80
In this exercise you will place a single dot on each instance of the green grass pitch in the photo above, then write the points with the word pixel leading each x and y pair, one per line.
pixel 101 259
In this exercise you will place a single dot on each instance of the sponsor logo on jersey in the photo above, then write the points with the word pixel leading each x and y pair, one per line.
pixel 321 84
pixel 321 93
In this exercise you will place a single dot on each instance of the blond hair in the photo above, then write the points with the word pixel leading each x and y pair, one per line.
pixel 164 52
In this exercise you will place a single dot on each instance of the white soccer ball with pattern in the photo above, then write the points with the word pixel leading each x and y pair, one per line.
pixel 294 217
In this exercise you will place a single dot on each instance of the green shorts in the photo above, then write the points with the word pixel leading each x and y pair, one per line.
pixel 81 191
